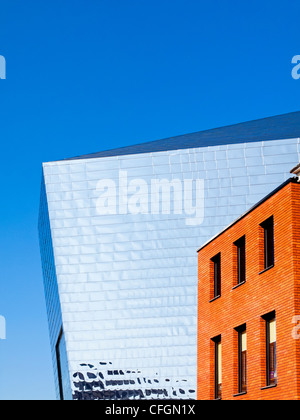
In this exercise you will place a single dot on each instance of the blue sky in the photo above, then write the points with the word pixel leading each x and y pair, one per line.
pixel 84 76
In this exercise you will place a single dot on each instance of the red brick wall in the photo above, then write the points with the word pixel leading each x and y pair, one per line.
pixel 275 289
pixel 296 263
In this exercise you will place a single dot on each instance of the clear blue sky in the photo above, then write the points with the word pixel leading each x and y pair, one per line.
pixel 83 76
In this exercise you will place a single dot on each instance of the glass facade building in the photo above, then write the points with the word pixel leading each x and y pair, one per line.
pixel 119 232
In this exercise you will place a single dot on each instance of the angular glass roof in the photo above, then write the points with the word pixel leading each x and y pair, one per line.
pixel 272 128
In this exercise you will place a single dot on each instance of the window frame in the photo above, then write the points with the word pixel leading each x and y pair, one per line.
pixel 217 390
pixel 240 245
pixel 268 238
pixel 268 318
pixel 216 261
pixel 242 389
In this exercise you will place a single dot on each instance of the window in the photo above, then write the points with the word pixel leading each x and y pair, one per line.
pixel 242 358
pixel 217 275
pixel 218 367
pixel 271 364
pixel 241 259
pixel 268 228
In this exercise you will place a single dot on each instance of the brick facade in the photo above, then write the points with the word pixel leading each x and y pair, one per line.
pixel 276 289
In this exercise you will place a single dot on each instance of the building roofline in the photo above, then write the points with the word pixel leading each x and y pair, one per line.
pixel 294 180
pixel 278 127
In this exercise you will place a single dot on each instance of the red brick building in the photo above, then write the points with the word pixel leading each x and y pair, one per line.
pixel 248 298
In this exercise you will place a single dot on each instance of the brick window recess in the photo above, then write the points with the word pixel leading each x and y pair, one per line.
pixel 239 261
pixel 268 345
pixel 216 368
pixel 240 359
pixel 215 276
pixel 266 244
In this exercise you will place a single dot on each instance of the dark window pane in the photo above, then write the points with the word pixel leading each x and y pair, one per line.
pixel 271 352
pixel 268 227
pixel 242 358
pixel 244 371
pixel 271 364
pixel 217 275
pixel 241 260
